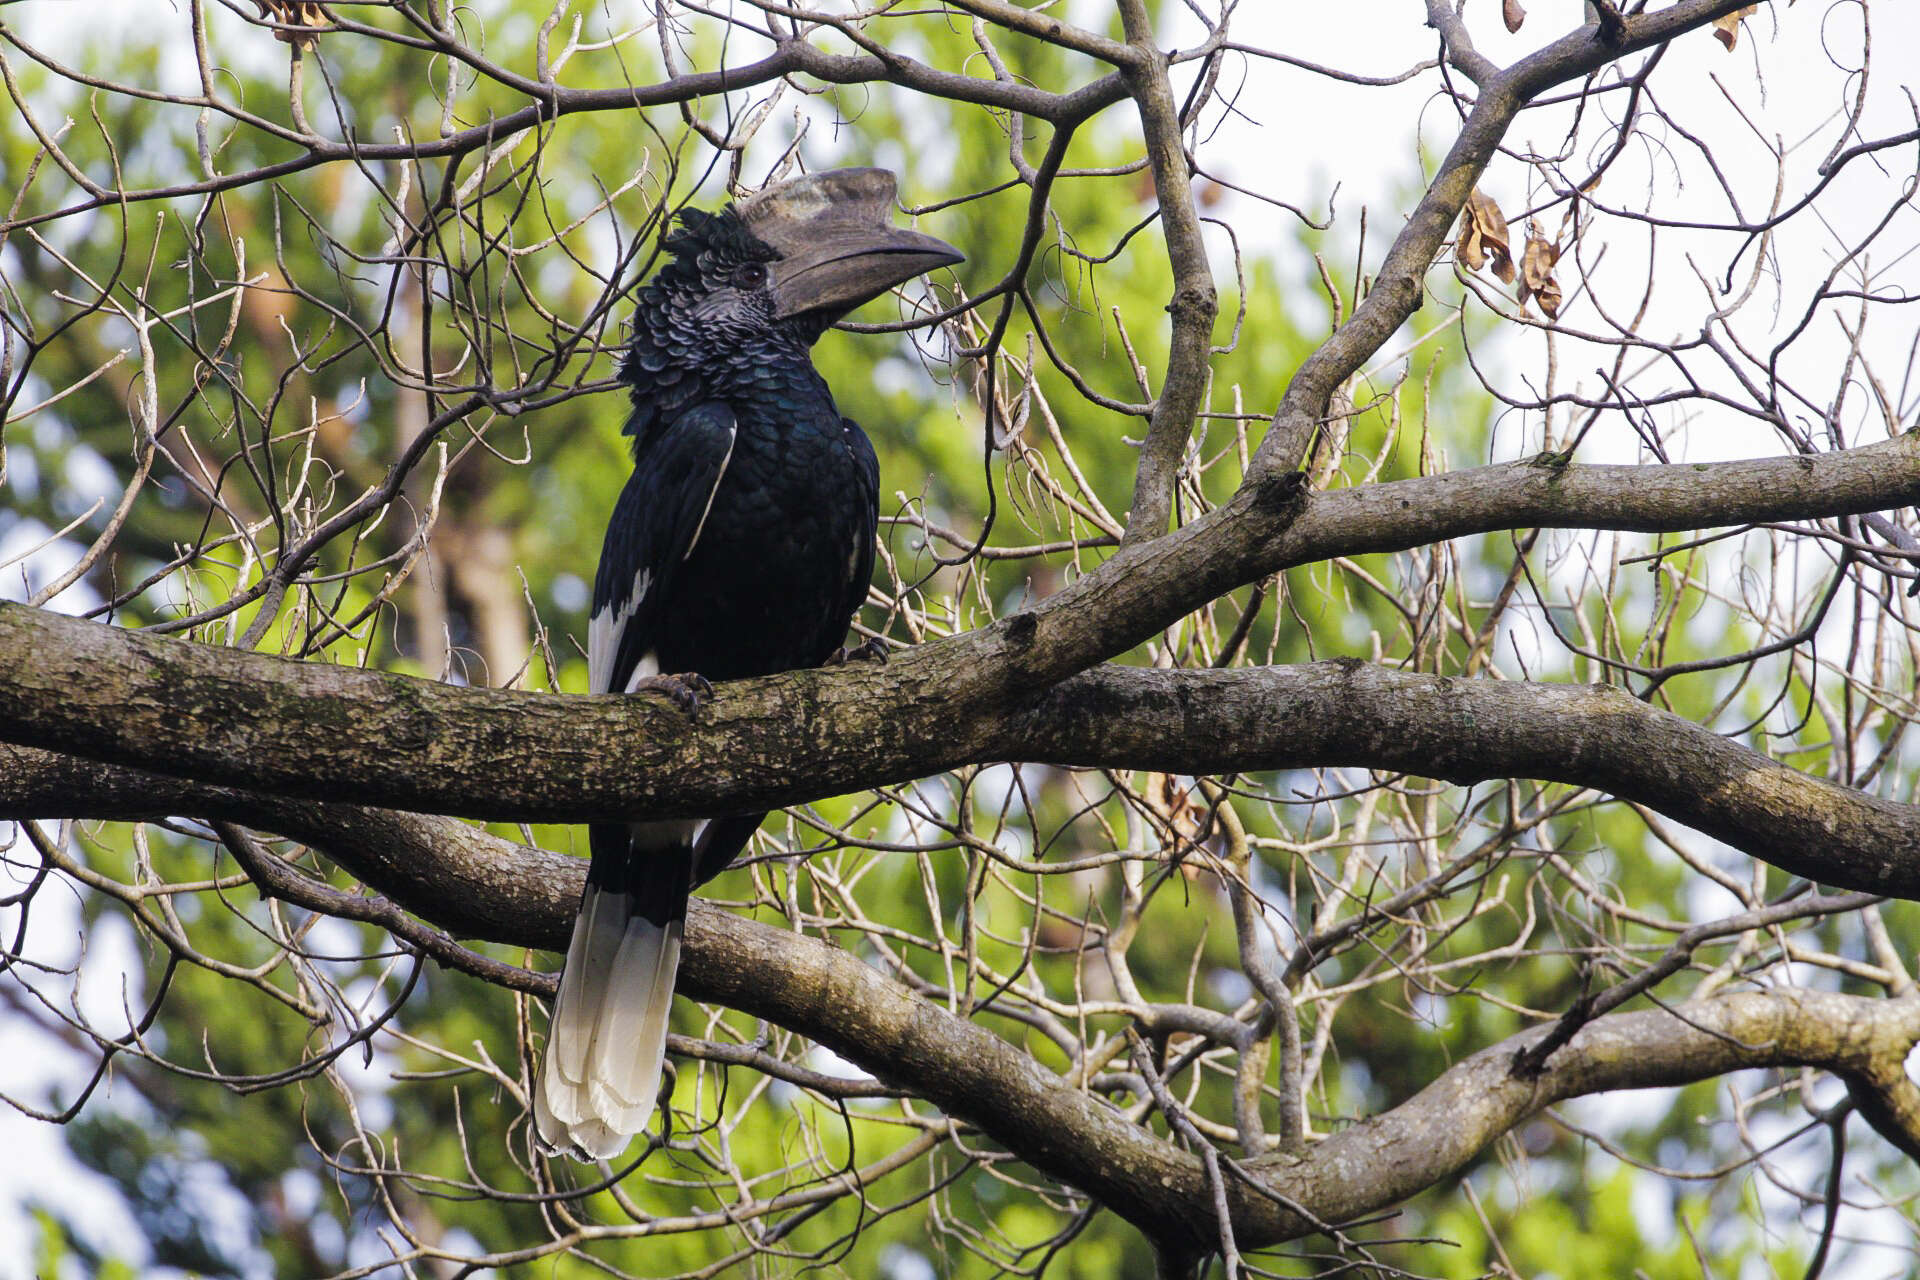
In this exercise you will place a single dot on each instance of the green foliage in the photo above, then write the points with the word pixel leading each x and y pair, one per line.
pixel 304 1156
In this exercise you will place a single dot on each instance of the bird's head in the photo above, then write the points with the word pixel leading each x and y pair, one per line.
pixel 788 261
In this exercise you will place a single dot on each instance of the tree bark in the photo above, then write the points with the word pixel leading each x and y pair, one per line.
pixel 473 883
pixel 317 732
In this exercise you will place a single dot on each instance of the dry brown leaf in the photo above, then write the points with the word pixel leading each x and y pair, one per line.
pixel 296 13
pixel 1483 236
pixel 1536 271
pixel 1467 248
pixel 1726 28
pixel 1470 248
pixel 1549 299
pixel 1539 258
pixel 1175 806
pixel 1512 14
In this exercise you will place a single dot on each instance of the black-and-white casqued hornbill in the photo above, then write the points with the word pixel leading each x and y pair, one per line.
pixel 742 546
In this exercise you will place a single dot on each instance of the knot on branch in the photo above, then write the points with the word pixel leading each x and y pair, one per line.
pixel 1613 24
pixel 1194 302
pixel 1282 495
pixel 1021 628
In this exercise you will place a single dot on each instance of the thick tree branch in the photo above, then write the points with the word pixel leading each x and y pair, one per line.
pixel 473 884
pixel 469 882
pixel 309 731
pixel 1439 1131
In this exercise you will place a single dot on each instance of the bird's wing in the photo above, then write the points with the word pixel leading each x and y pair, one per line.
pixel 867 473
pixel 722 839
pixel 655 527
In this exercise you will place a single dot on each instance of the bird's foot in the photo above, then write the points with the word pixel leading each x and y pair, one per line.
pixel 872 649
pixel 687 690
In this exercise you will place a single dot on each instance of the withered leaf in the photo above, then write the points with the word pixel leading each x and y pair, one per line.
pixel 1175 806
pixel 1540 256
pixel 1512 14
pixel 1536 270
pixel 1467 248
pixel 295 13
pixel 1726 28
pixel 1483 236
pixel 1549 298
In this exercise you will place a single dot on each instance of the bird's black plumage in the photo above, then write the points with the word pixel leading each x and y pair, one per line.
pixel 741 546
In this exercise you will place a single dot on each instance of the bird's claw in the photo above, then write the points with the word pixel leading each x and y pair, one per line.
pixel 687 690
pixel 872 649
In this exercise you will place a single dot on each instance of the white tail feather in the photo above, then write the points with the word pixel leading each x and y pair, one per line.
pixel 597 933
pixel 608 1037
pixel 632 1038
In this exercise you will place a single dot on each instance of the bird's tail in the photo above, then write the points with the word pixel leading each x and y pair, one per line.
pixel 608 1037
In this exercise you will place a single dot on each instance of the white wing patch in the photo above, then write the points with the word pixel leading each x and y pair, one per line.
pixel 603 634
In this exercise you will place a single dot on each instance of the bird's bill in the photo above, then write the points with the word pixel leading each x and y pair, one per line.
pixel 846 266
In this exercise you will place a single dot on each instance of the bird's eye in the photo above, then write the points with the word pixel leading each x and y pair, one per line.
pixel 751 276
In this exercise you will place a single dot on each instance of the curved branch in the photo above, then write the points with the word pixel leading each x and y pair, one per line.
pixel 469 882
pixel 253 720
pixel 315 731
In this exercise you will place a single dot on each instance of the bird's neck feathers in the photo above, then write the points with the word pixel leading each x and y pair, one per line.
pixel 697 336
